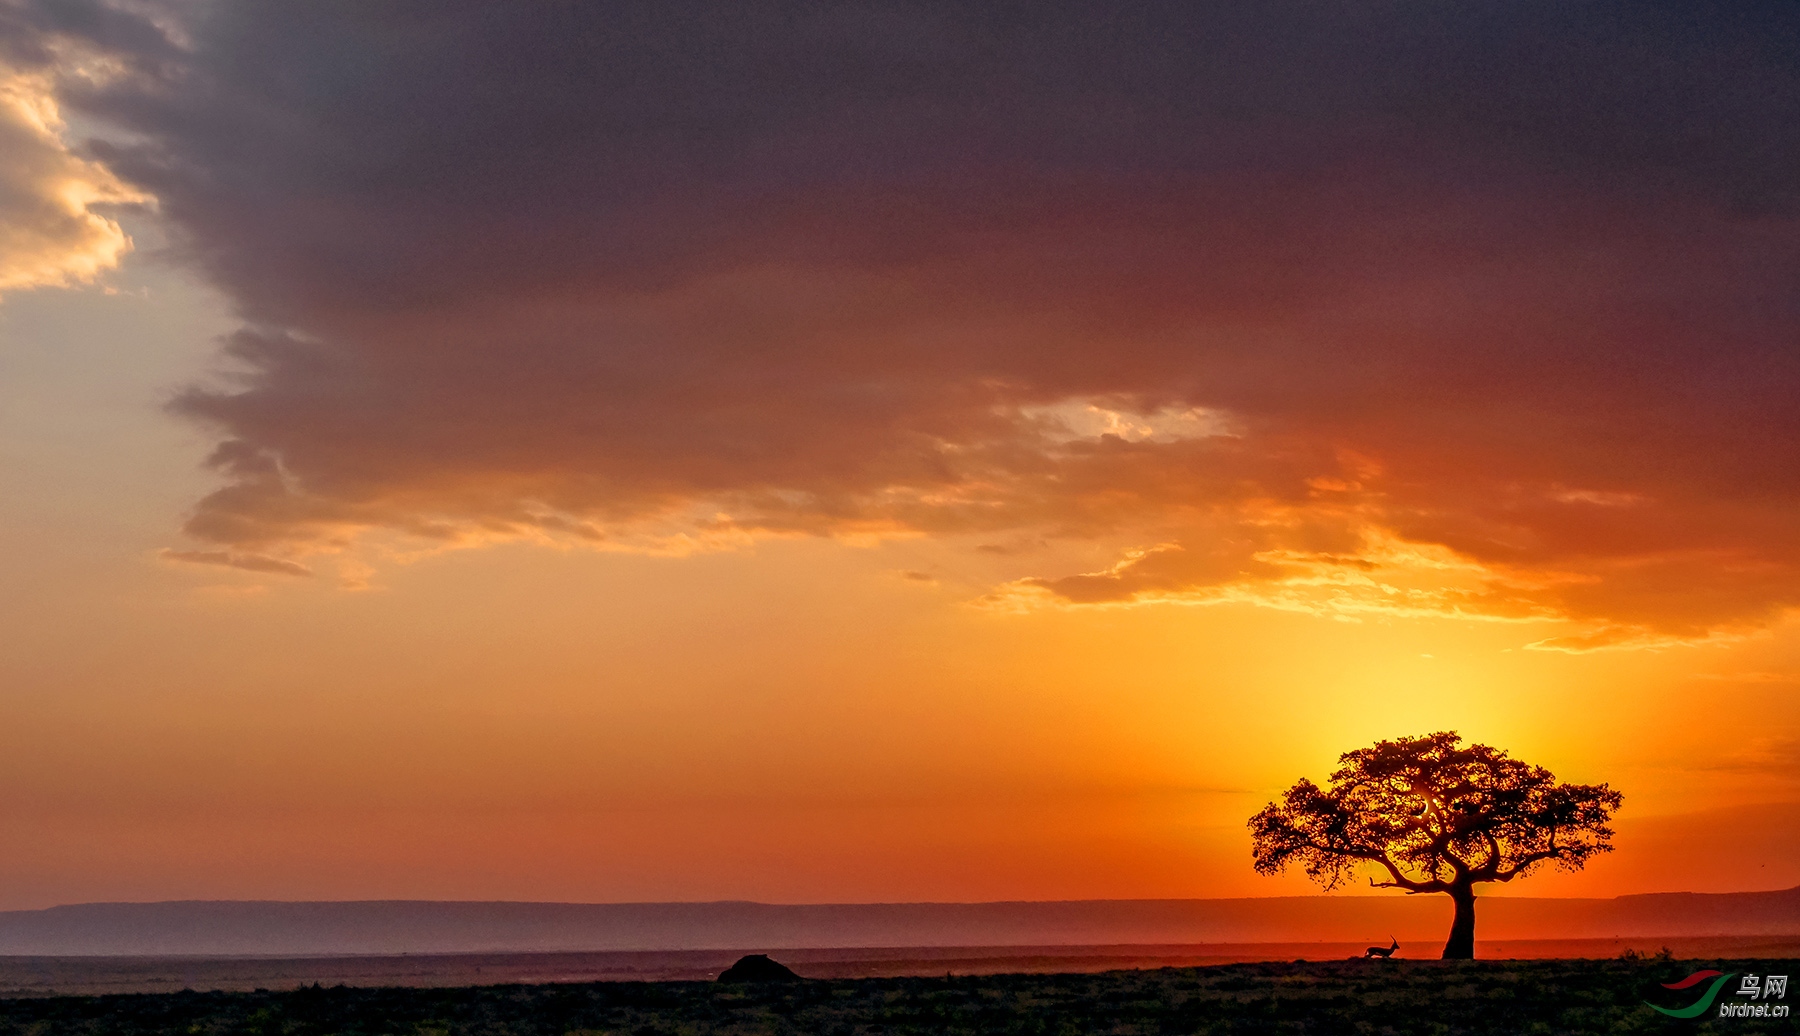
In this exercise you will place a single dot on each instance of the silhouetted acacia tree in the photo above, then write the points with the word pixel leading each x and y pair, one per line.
pixel 1433 816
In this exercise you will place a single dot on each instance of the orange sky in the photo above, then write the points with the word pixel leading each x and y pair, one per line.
pixel 877 496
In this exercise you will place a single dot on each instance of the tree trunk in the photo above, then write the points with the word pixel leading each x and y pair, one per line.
pixel 1462 930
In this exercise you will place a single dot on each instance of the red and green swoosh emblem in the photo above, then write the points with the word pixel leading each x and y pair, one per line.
pixel 1700 1006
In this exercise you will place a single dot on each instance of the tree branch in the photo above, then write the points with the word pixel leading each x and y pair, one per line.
pixel 1551 852
pixel 1401 881
pixel 1490 870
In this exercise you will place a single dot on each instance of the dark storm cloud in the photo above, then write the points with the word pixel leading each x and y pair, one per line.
pixel 30 32
pixel 1513 282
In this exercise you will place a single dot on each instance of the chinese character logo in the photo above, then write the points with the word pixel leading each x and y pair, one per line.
pixel 1768 988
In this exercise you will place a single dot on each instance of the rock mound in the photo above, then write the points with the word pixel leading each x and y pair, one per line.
pixel 757 967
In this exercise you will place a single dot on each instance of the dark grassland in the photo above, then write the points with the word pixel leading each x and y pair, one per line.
pixel 1351 997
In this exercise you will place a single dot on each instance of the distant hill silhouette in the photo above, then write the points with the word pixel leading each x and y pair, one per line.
pixel 414 926
pixel 757 967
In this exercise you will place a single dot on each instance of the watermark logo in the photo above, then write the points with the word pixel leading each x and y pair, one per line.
pixel 1759 989
pixel 1700 1006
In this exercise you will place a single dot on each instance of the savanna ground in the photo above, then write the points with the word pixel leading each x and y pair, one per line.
pixel 1350 997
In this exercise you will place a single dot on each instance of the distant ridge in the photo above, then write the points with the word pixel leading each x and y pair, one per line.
pixel 269 928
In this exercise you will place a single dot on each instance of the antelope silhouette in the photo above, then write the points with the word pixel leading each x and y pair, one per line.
pixel 1383 951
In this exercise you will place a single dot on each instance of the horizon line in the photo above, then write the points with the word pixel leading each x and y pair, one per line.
pixel 866 903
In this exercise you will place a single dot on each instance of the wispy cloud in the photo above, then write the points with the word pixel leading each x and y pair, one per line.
pixel 231 559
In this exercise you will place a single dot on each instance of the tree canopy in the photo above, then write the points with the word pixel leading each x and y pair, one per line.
pixel 1430 815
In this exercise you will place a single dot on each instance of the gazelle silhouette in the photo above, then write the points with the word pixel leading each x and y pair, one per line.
pixel 1383 951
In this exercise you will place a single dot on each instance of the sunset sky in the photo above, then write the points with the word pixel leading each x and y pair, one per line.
pixel 828 452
